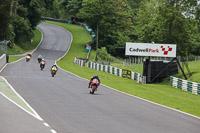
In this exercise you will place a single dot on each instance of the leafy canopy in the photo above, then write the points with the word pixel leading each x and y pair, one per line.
pixel 112 18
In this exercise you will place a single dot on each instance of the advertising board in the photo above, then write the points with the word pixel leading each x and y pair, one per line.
pixel 126 73
pixel 149 49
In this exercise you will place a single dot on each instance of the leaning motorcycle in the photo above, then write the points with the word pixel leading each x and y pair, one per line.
pixel 28 58
pixel 53 71
pixel 93 86
pixel 42 65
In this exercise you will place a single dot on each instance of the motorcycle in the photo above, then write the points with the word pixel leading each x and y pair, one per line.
pixel 53 71
pixel 93 86
pixel 42 65
pixel 28 58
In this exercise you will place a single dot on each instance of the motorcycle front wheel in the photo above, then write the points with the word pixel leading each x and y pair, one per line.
pixel 42 67
pixel 52 74
pixel 92 90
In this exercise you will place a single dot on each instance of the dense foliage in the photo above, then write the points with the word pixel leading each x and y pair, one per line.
pixel 159 21
pixel 112 18
pixel 19 18
pixel 168 22
pixel 4 18
pixel 118 21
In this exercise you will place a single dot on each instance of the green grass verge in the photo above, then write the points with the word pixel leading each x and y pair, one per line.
pixel 27 47
pixel 135 68
pixel 159 93
pixel 6 90
pixel 194 68
pixel 13 58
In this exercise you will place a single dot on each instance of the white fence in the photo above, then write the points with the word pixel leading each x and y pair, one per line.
pixel 2 60
pixel 110 69
pixel 78 62
pixel 185 85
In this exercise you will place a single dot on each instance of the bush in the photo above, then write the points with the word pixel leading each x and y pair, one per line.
pixel 103 55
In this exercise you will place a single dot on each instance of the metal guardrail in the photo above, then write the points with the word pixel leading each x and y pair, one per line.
pixel 116 71
pixel 3 47
pixel 112 70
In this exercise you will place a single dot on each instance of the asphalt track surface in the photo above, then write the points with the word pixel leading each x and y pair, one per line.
pixel 65 104
pixel 15 120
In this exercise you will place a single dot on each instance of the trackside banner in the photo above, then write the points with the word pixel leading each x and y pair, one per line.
pixel 149 49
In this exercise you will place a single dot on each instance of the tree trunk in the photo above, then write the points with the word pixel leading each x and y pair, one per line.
pixel 11 7
pixel 16 4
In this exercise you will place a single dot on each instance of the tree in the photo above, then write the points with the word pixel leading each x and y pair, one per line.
pixel 74 6
pixel 133 6
pixel 168 22
pixel 22 29
pixel 145 25
pixel 25 16
pixel 5 18
pixel 112 18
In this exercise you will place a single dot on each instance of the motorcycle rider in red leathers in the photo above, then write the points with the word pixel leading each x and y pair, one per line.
pixel 94 77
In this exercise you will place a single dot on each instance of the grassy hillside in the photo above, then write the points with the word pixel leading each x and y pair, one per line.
pixel 194 67
pixel 24 48
pixel 163 94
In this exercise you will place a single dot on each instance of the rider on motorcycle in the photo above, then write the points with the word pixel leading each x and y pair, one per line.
pixel 54 68
pixel 39 58
pixel 28 57
pixel 94 77
pixel 42 62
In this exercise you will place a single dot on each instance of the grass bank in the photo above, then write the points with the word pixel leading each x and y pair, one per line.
pixel 194 68
pixel 13 58
pixel 159 93
pixel 24 48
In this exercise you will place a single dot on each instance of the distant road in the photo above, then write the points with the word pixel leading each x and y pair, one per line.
pixel 65 104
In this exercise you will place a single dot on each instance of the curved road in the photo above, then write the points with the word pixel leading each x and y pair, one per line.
pixel 65 104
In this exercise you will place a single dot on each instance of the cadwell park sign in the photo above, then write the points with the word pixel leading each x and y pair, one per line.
pixel 150 49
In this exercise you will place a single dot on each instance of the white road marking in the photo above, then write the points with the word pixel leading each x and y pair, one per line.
pixel 46 124
pixel 35 113
pixel 53 131
pixel 21 107
pixel 3 67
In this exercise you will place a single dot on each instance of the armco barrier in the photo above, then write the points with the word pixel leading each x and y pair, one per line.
pixel 2 61
pixel 113 70
pixel 185 85
pixel 78 62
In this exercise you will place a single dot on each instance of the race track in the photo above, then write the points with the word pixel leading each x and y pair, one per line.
pixel 65 104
